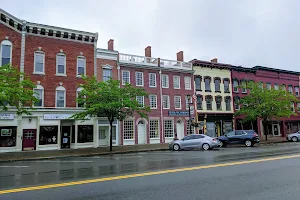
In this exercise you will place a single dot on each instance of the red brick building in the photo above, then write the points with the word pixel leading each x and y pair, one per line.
pixel 168 83
pixel 276 78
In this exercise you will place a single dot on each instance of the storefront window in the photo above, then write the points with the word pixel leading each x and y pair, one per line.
pixel 85 133
pixel 73 134
pixel 8 136
pixel 48 135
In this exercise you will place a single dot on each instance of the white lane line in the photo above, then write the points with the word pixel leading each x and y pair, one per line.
pixel 13 166
pixel 64 161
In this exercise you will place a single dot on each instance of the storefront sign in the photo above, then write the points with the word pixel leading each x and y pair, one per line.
pixel 57 116
pixel 178 113
pixel 7 116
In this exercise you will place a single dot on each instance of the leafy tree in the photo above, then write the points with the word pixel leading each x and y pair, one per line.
pixel 16 93
pixel 266 104
pixel 108 99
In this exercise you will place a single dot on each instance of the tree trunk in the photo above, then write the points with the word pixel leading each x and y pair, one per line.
pixel 265 129
pixel 110 136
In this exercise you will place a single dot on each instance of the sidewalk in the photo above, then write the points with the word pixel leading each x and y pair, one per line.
pixel 36 155
pixel 272 139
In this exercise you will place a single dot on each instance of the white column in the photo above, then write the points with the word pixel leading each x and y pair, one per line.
pixel 95 136
pixel 59 135
pixel 37 132
pixel 19 137
pixel 76 134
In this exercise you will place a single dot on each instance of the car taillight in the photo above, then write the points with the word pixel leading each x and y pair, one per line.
pixel 214 139
pixel 255 135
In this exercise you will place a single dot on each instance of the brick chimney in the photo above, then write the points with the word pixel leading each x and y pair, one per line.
pixel 180 56
pixel 215 60
pixel 148 51
pixel 110 45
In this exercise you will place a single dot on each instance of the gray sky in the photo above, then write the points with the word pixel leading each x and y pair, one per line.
pixel 239 32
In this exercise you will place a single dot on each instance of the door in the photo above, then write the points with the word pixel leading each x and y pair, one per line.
pixel 187 142
pixel 29 139
pixel 231 137
pixel 141 132
pixel 239 136
pixel 180 129
pixel 276 130
pixel 103 136
pixel 211 129
pixel 65 137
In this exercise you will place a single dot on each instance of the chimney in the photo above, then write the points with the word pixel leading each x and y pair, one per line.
pixel 215 60
pixel 148 51
pixel 110 45
pixel 180 56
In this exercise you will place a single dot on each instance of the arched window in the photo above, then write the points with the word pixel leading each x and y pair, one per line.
pixel 5 52
pixel 79 104
pixel 60 97
pixel 39 94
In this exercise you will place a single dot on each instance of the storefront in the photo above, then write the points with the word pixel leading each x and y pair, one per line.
pixel 9 133
pixel 215 125
pixel 103 136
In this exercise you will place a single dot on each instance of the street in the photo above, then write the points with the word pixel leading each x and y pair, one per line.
pixel 261 172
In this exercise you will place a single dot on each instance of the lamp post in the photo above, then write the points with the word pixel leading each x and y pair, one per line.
pixel 189 100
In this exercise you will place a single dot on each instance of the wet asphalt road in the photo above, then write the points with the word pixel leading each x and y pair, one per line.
pixel 274 180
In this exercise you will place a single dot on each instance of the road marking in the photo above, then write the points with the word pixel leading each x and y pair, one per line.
pixel 64 161
pixel 144 174
pixel 14 166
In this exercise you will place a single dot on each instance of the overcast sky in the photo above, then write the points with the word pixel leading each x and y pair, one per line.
pixel 238 32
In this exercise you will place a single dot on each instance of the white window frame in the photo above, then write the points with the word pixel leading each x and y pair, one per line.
pixel 152 129
pixel 77 94
pixel 39 87
pixel 235 86
pixel 142 98
pixel 296 91
pixel 65 61
pixel 293 106
pixel 77 71
pixel 177 98
pixel 152 86
pixel 150 102
pixel 131 122
pixel 187 83
pixel 168 101
pixel 276 87
pixel 41 53
pixel 123 82
pixel 176 80
pixel 136 79
pixel 172 128
pixel 7 43
pixel 167 81
pixel 60 88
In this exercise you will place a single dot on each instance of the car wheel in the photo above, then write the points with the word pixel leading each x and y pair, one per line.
pixel 205 146
pixel 176 147
pixel 248 143
pixel 222 143
pixel 294 139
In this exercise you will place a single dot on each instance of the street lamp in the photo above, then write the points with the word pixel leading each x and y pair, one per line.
pixel 189 100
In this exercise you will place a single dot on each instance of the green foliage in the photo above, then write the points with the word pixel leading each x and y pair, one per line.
pixel 16 93
pixel 108 99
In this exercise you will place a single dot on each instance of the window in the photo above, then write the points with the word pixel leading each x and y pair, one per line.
pixel 152 80
pixel 79 104
pixel 139 78
pixel 176 82
pixel 198 83
pixel 268 86
pixel 226 85
pixel 207 84
pixel 39 62
pixel 283 87
pixel 48 135
pixel 166 102
pixel 107 74
pixel 228 103
pixel 261 85
pixel 240 132
pixel 298 106
pixel 199 102
pixel 276 87
pixel 165 81
pixel 217 84
pixel 154 128
pixel 208 102
pixel 237 103
pixel 291 89
pixel 197 136
pixel 6 52
pixel 187 102
pixel 187 83
pixel 81 63
pixel 244 86
pixel 140 100
pixel 189 128
pixel 85 133
pixel 39 94
pixel 153 101
pixel 61 64
pixel 60 97
pixel 235 86
pixel 292 106
pixel 297 91
pixel 125 77
pixel 169 128
pixel 128 129
pixel 219 102
pixel 8 136
pixel 177 102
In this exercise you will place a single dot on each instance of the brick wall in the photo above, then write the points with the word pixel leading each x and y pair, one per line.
pixel 112 63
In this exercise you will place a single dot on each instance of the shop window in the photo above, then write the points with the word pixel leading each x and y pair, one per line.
pixel 73 134
pixel 128 129
pixel 8 136
pixel 154 128
pixel 169 128
pixel 85 133
pixel 48 135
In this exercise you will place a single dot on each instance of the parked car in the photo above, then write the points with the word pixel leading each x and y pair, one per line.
pixel 247 137
pixel 194 141
pixel 295 137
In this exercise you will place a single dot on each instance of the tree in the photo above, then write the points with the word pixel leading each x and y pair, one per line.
pixel 108 99
pixel 15 92
pixel 266 104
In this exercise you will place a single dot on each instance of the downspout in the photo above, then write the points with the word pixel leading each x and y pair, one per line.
pixel 96 127
pixel 95 55
pixel 161 105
